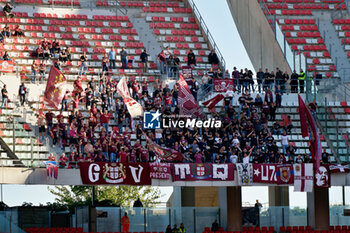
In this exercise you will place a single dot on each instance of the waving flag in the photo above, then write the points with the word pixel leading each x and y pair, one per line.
pixel 55 88
pixel 213 102
pixel 188 105
pixel 135 109
pixel 309 128
pixel 163 153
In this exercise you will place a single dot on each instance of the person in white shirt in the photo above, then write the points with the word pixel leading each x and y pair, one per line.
pixel 233 158
pixel 284 142
pixel 246 156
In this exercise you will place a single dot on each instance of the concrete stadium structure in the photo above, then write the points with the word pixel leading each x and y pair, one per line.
pixel 264 51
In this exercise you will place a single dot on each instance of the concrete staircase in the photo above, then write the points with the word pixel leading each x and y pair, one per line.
pixel 333 43
pixel 146 35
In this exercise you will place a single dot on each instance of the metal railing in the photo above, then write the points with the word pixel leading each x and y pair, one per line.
pixel 205 29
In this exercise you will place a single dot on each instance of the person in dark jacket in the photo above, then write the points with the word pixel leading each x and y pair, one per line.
pixel 294 82
pixel 8 10
pixel 138 203
pixel 191 58
pixel 259 78
pixel 215 226
pixel 213 58
pixel 144 59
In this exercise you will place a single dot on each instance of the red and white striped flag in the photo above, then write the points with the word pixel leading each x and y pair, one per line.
pixel 303 177
pixel 188 105
pixel 135 109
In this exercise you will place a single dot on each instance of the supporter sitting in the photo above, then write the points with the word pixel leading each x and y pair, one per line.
pixel 63 160
pixel 63 56
pixel 7 10
pixel 55 48
pixel 6 56
pixel 18 31
pixel 57 65
pixel 40 52
pixel 213 58
pixel 191 58
pixel 46 53
pixel 69 55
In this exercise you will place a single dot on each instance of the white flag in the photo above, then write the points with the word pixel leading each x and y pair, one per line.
pixel 135 109
pixel 303 177
pixel 245 173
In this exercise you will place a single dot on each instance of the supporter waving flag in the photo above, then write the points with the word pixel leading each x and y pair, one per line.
pixel 55 88
pixel 309 128
pixel 135 109
pixel 163 153
pixel 188 105
pixel 213 102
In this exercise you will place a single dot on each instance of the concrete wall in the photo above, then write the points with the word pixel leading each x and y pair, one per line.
pixel 257 35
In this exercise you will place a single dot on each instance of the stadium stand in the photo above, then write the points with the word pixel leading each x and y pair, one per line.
pixel 175 26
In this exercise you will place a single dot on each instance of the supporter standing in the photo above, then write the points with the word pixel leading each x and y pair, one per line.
pixel 42 70
pixel 22 91
pixel 34 68
pixel 104 63
pixel 124 58
pixel 294 82
pixel 112 57
pixel 278 94
pixel 4 95
pixel 259 78
pixel 83 65
pixel 162 62
pixel 301 79
pixel 144 60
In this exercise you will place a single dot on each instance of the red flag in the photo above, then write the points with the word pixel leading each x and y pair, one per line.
pixel 188 105
pixel 309 128
pixel 163 153
pixel 213 101
pixel 55 88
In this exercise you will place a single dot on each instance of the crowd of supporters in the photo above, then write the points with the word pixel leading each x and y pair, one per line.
pixel 244 136
pixel 84 121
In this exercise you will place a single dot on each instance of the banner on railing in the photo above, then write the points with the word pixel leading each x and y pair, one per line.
pixel 160 171
pixel 202 171
pixel 273 173
pixel 6 66
pixel 187 74
pixel 223 85
pixel 115 173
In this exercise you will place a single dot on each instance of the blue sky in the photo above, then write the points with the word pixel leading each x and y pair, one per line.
pixel 218 18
